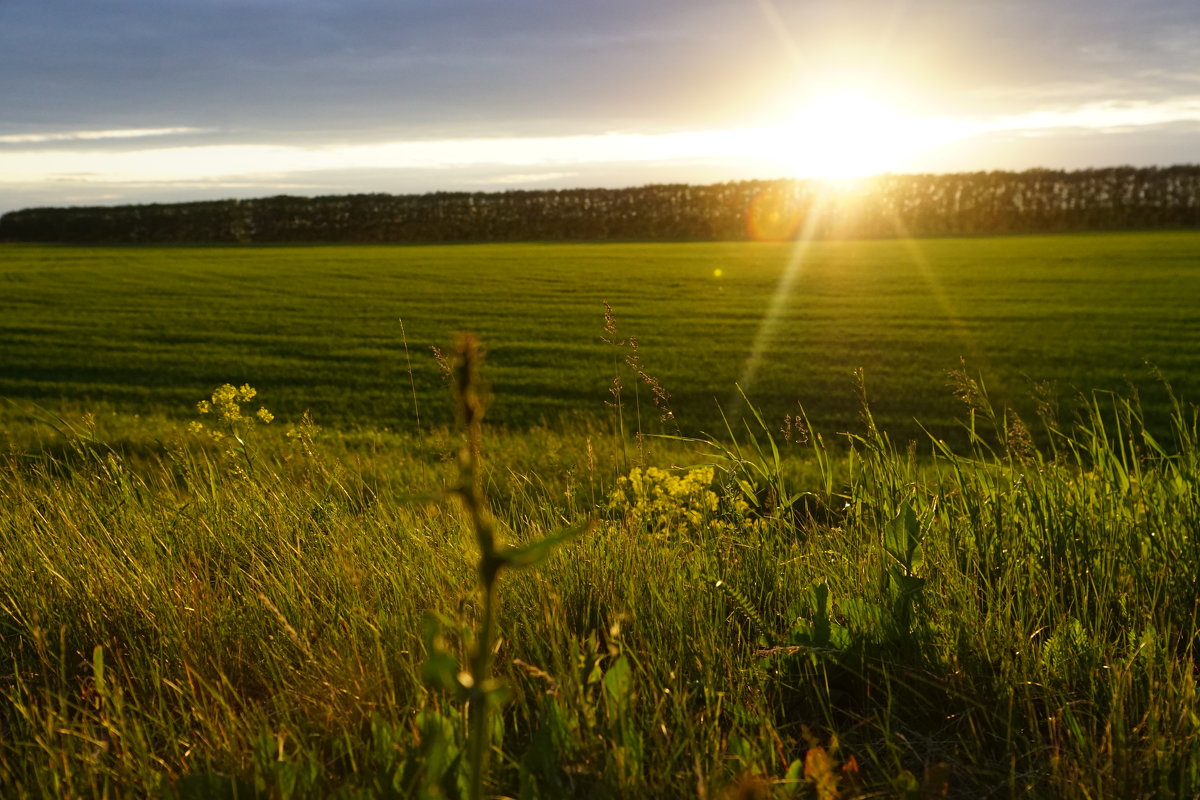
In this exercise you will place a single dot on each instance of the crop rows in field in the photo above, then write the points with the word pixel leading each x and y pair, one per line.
pixel 319 327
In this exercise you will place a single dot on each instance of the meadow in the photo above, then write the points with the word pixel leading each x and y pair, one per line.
pixel 196 602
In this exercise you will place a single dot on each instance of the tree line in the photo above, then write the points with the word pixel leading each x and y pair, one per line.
pixel 884 206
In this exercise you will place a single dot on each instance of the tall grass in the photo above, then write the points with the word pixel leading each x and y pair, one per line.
pixel 1014 619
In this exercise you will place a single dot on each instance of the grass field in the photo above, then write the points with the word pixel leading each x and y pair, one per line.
pixel 274 619
pixel 318 327
pixel 204 605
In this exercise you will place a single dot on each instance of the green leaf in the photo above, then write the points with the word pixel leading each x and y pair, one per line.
pixel 741 750
pixel 98 669
pixel 534 553
pixel 440 671
pixel 908 586
pixel 821 629
pixel 863 616
pixel 592 672
pixel 441 752
pixel 902 536
pixel 795 498
pixel 795 775
pixel 441 668
pixel 618 681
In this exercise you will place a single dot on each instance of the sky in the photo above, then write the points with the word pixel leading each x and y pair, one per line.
pixel 119 101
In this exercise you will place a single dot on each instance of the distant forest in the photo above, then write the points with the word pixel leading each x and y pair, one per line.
pixel 885 206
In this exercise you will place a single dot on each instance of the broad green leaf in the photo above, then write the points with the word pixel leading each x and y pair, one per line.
pixel 902 537
pixel 908 585
pixel 440 671
pixel 534 553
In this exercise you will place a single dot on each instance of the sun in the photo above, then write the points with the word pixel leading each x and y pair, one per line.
pixel 849 134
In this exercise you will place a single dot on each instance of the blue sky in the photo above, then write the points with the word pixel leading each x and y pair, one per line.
pixel 160 100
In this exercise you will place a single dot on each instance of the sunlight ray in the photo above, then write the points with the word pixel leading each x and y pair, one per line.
pixel 779 299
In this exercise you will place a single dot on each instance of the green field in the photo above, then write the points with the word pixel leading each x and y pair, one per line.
pixel 280 619
pixel 151 328
pixel 200 606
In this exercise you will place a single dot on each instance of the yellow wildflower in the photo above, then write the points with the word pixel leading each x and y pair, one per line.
pixel 225 404
pixel 665 501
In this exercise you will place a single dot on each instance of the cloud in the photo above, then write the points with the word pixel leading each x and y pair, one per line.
pixel 523 178
pixel 237 161
pixel 91 136
pixel 1105 116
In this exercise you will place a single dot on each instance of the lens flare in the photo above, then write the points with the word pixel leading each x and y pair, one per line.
pixel 776 214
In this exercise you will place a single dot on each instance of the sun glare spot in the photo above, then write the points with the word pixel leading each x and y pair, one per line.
pixel 849 134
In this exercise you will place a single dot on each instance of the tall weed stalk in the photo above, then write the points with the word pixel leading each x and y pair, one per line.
pixel 482 692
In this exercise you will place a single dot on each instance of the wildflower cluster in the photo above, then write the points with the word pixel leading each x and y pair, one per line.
pixel 225 407
pixel 666 501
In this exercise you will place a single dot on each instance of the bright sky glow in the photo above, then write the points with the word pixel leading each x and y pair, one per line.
pixel 837 135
